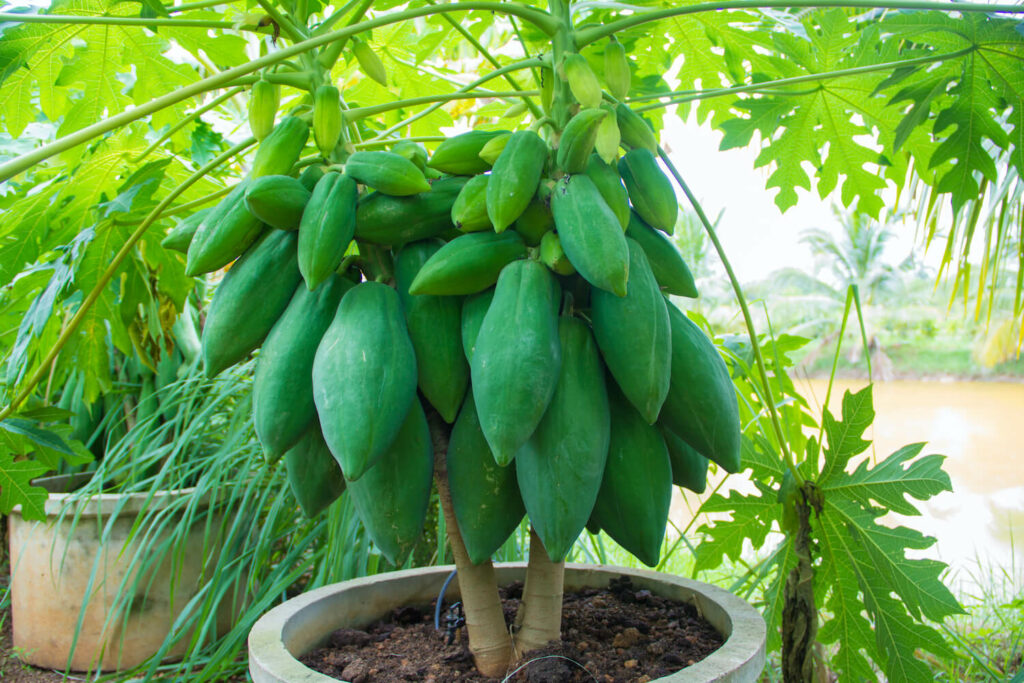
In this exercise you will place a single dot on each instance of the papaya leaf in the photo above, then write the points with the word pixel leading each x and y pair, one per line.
pixel 16 486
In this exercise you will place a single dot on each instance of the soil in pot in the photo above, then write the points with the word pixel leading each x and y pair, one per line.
pixel 614 635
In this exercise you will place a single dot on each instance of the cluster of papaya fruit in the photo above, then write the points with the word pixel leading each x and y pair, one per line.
pixel 519 283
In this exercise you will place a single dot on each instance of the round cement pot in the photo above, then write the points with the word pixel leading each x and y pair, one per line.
pixel 301 624
pixel 52 573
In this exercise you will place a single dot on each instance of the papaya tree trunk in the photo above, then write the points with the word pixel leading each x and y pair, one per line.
pixel 540 612
pixel 489 639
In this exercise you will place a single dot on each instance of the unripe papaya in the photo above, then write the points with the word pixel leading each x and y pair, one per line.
pixel 494 147
pixel 640 359
pixel 468 264
pixel 535 222
pixel 670 270
pixel 364 377
pixel 277 200
pixel 515 367
pixel 327 118
pixel 553 256
pixel 460 154
pixel 616 69
pixel 314 476
pixel 310 176
pixel 578 140
pixel 650 190
pixel 384 219
pixel 387 172
pixel 590 233
pixel 474 308
pixel 469 212
pixel 515 177
pixel 369 62
pixel 636 491
pixel 608 139
pixel 281 149
pixel 180 237
pixel 701 407
pixel 689 468
pixel 582 81
pixel 547 88
pixel 224 233
pixel 393 496
pixel 635 131
pixel 609 184
pixel 263 103
pixel 561 465
pixel 413 151
pixel 249 300
pixel 282 395
pixel 327 227
pixel 435 329
pixel 485 496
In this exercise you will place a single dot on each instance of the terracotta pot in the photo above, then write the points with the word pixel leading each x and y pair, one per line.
pixel 52 567
pixel 301 624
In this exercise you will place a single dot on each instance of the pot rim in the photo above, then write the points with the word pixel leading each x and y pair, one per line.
pixel 59 502
pixel 741 657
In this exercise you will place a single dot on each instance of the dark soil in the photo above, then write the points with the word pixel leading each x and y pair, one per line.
pixel 614 635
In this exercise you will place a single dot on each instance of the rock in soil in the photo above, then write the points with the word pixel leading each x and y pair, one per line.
pixel 614 635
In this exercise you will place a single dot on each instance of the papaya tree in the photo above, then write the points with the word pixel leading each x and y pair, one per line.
pixel 487 311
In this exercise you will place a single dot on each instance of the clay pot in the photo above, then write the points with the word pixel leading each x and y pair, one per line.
pixel 301 624
pixel 52 571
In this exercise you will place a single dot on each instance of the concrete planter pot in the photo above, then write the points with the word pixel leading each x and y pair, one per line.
pixel 52 572
pixel 299 625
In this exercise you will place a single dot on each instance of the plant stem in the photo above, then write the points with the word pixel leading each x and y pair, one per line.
pixel 25 161
pixel 284 22
pixel 747 318
pixel 112 269
pixel 202 4
pixel 485 621
pixel 540 610
pixel 187 120
pixel 592 33
pixel 330 21
pixel 363 112
pixel 146 22
pixel 390 141
pixel 534 109
pixel 690 96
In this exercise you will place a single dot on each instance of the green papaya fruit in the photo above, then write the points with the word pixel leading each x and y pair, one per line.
pixel 460 154
pixel 282 390
pixel 635 131
pixel 515 367
pixel 468 264
pixel 364 377
pixel 264 100
pixel 616 69
pixel 280 150
pixel 582 81
pixel 650 190
pixel 515 177
pixel 494 147
pixel 327 118
pixel 608 140
pixel 277 200
pixel 386 172
pixel 609 184
pixel 224 233
pixel 413 151
pixel 384 219
pixel 553 256
pixel 392 497
pixel 435 329
pixel 469 212
pixel 689 468
pixel 666 262
pixel 249 300
pixel 578 139
pixel 590 233
pixel 560 467
pixel 311 175
pixel 634 336
pixel 180 237
pixel 474 308
pixel 535 222
pixel 485 496
pixel 636 490
pixel 701 405
pixel 314 476
pixel 327 227
pixel 369 62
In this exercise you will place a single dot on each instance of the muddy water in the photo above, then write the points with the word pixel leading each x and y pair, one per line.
pixel 979 426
